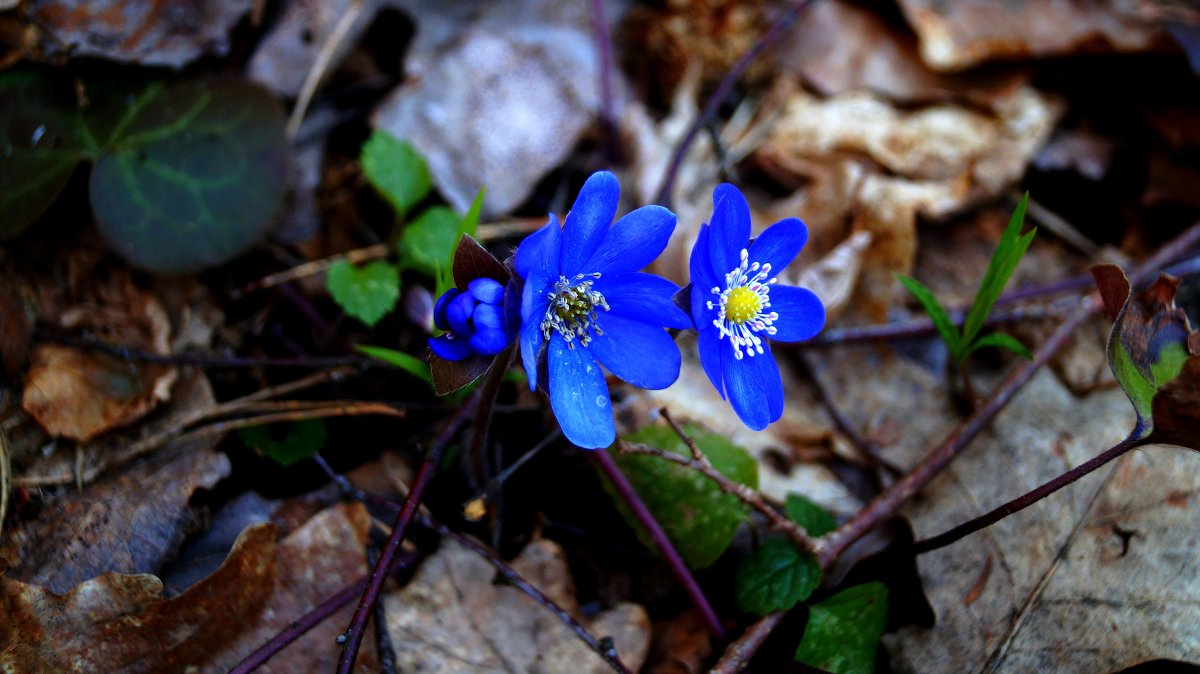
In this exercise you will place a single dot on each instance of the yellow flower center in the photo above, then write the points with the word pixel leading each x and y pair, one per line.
pixel 741 305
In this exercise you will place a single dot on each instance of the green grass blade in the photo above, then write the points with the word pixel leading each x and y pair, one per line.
pixel 937 313
pixel 1001 341
pixel 1004 261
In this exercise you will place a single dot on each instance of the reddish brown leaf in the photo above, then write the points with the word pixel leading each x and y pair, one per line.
pixel 1177 407
pixel 472 261
pixel 1113 287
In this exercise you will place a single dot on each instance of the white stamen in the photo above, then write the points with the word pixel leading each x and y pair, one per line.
pixel 757 279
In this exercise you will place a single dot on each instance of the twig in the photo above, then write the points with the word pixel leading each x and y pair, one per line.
pixel 919 327
pixel 737 656
pixel 628 494
pixel 324 57
pixel 373 252
pixel 205 360
pixel 608 117
pixel 383 640
pixel 354 633
pixel 476 456
pixel 722 92
pixel 494 484
pixel 1028 499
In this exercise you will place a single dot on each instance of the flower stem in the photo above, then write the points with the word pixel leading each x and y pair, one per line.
pixel 1026 500
pixel 646 519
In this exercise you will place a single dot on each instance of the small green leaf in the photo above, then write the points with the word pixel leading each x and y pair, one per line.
pixel 698 517
pixel 843 631
pixel 937 313
pixel 775 577
pixel 470 221
pixel 367 293
pixel 427 243
pixel 192 174
pixel 304 439
pixel 410 364
pixel 1001 341
pixel 1004 261
pixel 816 520
pixel 396 170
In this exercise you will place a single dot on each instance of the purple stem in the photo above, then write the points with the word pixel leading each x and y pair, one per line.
pixel 608 116
pixel 646 519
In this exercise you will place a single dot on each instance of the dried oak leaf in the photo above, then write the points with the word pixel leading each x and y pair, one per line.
pixel 452 617
pixel 122 623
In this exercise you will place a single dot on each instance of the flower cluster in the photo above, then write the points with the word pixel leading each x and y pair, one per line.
pixel 586 308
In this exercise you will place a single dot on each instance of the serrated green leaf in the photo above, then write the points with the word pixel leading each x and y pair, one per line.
pixel 427 243
pixel 409 363
pixel 816 520
pixel 1001 341
pixel 843 631
pixel 368 293
pixel 937 313
pixel 42 140
pixel 698 517
pixel 775 577
pixel 1008 254
pixel 304 439
pixel 191 175
pixel 396 170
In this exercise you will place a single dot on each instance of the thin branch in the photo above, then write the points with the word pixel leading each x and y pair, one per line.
pixel 628 494
pixel 324 59
pixel 354 633
pixel 608 116
pixel 737 656
pixel 383 640
pixel 205 360
pixel 313 267
pixel 920 327
pixel 1026 500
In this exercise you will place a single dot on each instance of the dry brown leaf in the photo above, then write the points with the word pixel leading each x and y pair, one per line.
pixel 453 618
pixel 121 623
pixel 681 645
pixel 958 35
pixel 131 522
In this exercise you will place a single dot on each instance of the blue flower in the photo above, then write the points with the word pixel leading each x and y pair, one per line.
pixel 736 305
pixel 585 304
pixel 473 319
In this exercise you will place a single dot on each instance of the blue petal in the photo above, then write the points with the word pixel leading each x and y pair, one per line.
pixel 486 290
pixel 540 250
pixel 531 343
pixel 633 241
pixel 644 297
pixel 488 317
pixel 643 355
pixel 754 386
pixel 780 244
pixel 703 281
pixel 488 342
pixel 450 348
pixel 533 307
pixel 588 222
pixel 730 228
pixel 579 396
pixel 709 347
pixel 459 313
pixel 439 309
pixel 801 314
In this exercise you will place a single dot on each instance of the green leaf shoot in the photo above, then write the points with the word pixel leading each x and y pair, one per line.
pixel 304 439
pixel 1001 341
pixel 937 313
pixel 775 577
pixel 407 362
pixel 843 631
pixel 396 170
pixel 367 293
pixel 1004 261
pixel 816 520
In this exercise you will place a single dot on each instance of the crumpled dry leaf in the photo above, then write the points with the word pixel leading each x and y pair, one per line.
pixel 451 617
pixel 131 522
pixel 681 645
pixel 961 34
pixel 121 623
pixel 146 32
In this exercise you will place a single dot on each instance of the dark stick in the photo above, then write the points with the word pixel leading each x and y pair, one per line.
pixel 383 640
pixel 1026 500
pixel 608 115
pixel 661 541
pixel 919 327
pixel 737 656
pixel 207 360
pixel 354 633
pixel 718 97
pixel 476 455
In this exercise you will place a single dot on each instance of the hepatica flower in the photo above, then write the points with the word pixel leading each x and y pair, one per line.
pixel 737 305
pixel 473 319
pixel 586 305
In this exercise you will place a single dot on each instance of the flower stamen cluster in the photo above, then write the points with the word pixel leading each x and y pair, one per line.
pixel 572 309
pixel 741 306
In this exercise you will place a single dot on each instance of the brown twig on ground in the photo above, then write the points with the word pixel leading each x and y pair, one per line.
pixel 737 656
pixel 373 252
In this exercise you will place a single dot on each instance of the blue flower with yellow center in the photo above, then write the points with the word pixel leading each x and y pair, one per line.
pixel 737 305
pixel 586 304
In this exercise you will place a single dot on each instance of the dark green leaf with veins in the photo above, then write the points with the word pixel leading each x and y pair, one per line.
pixel 816 520
pixel 396 170
pixel 843 631
pixel 775 577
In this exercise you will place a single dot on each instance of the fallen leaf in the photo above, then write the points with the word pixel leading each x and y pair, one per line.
pixel 452 617
pixel 121 623
pixel 681 646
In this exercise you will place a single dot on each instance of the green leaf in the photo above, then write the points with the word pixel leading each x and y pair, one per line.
pixel 775 577
pixel 698 517
pixel 816 520
pixel 304 439
pixel 1001 341
pixel 42 139
pixel 1004 261
pixel 366 293
pixel 409 363
pixel 470 221
pixel 937 313
pixel 843 631
pixel 396 170
pixel 192 174
pixel 428 242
